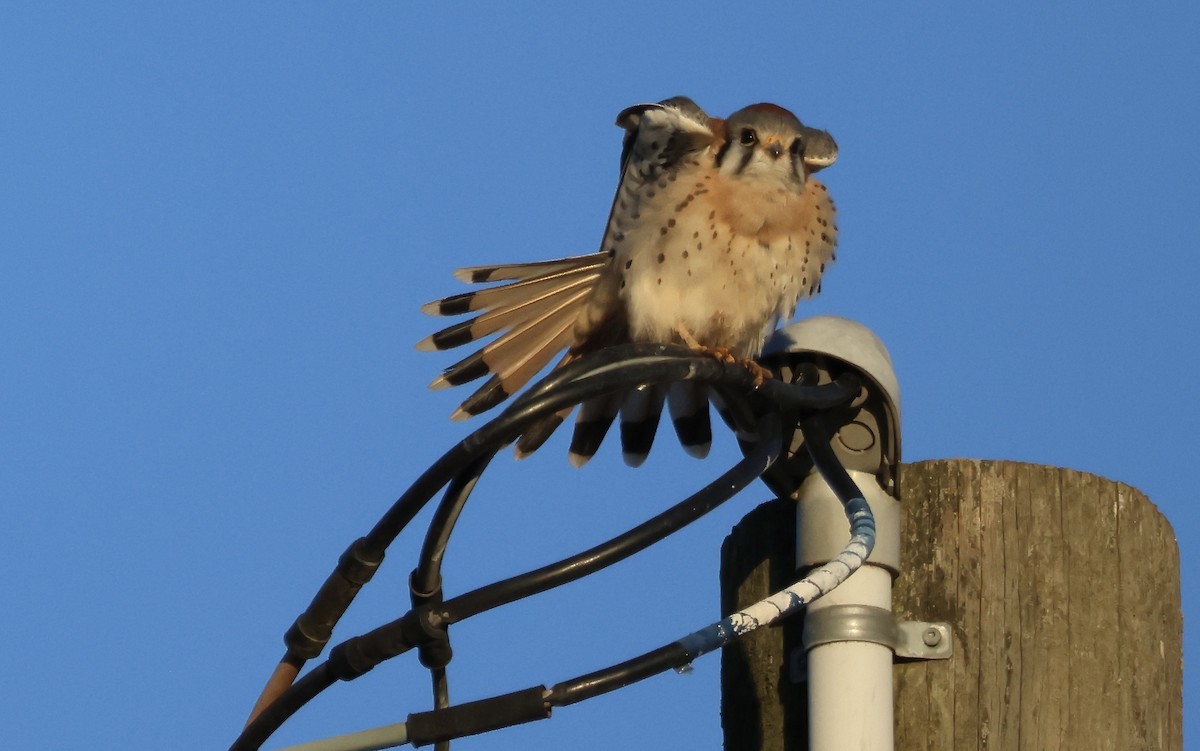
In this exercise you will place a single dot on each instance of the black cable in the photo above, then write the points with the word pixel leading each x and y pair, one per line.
pixel 622 546
pixel 608 370
pixel 614 368
pixel 311 630
pixel 653 530
pixel 678 653
pixel 426 578
pixel 622 367
pixel 785 477
pixel 608 679
pixel 801 398
pixel 603 359
pixel 441 699
pixel 425 582
pixel 476 717
pixel 360 654
pixel 818 439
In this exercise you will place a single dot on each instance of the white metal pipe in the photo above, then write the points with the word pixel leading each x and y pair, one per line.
pixel 850 703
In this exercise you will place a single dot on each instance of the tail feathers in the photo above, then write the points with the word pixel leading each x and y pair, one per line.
pixel 640 412
pixel 506 316
pixel 503 272
pixel 537 434
pixel 513 344
pixel 514 358
pixel 513 293
pixel 595 418
pixel 534 316
pixel 688 404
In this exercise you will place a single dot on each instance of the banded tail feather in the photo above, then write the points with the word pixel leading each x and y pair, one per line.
pixel 640 412
pixel 596 416
pixel 687 402
pixel 534 314
pixel 521 271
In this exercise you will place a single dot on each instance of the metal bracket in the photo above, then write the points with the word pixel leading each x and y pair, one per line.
pixel 920 640
pixel 908 640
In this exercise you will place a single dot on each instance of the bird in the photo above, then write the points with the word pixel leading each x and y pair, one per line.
pixel 716 231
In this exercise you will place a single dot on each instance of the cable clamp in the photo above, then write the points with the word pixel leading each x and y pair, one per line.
pixel 908 640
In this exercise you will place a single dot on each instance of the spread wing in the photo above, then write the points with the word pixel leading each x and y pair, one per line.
pixel 662 134
pixel 661 140
pixel 570 303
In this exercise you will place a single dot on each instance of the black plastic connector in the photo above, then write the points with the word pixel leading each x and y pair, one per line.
pixel 361 654
pixel 311 630
pixel 478 717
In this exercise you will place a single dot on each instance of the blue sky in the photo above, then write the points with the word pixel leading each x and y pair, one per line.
pixel 218 223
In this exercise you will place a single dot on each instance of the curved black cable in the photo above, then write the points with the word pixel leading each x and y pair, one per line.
pixel 679 653
pixel 426 579
pixel 818 439
pixel 634 540
pixel 465 605
pixel 503 711
pixel 360 654
pixel 620 367
pixel 617 367
pixel 625 366
pixel 425 583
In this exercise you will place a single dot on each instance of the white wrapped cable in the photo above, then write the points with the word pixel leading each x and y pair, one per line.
pixel 819 582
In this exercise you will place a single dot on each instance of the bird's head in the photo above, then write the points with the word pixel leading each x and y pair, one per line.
pixel 765 141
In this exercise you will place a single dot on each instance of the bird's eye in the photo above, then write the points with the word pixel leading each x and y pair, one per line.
pixel 797 147
pixel 748 137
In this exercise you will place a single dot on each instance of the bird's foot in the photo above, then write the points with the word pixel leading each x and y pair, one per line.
pixel 759 372
pixel 720 354
pixel 723 354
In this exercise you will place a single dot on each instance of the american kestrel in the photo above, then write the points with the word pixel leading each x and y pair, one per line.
pixel 716 231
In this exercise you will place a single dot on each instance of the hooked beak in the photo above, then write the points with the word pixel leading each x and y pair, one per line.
pixel 774 148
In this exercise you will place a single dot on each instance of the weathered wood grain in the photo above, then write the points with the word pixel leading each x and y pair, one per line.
pixel 1063 592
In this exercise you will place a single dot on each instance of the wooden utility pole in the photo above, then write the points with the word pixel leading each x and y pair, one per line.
pixel 1062 589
